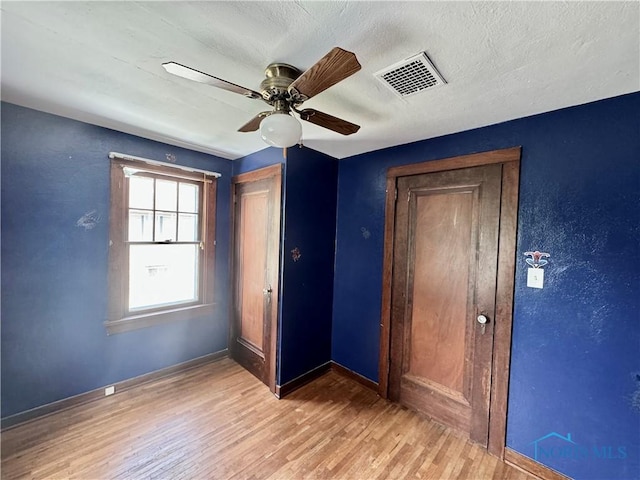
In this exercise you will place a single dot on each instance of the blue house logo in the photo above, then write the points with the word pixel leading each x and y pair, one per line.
pixel 554 445
pixel 537 447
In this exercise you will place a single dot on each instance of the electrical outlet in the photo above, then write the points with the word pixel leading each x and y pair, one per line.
pixel 535 278
pixel 109 391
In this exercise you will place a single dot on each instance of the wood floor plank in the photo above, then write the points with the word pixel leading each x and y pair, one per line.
pixel 218 421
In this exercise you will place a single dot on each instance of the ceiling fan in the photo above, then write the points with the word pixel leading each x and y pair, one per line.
pixel 285 88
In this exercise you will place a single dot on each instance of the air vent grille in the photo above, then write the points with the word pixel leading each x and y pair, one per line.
pixel 411 76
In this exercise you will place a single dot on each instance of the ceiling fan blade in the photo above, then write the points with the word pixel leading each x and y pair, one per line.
pixel 335 66
pixel 197 76
pixel 253 124
pixel 328 121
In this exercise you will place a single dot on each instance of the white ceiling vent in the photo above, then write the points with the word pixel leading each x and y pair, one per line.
pixel 411 76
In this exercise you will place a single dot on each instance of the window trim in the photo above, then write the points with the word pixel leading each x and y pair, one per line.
pixel 119 319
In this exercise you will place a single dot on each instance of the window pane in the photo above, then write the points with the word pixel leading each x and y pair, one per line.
pixel 188 198
pixel 165 226
pixel 162 275
pixel 166 195
pixel 188 227
pixel 140 226
pixel 141 192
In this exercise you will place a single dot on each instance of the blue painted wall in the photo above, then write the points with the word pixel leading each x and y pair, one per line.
pixel 263 158
pixel 576 343
pixel 309 192
pixel 307 284
pixel 54 273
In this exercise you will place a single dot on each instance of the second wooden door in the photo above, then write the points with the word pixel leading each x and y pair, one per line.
pixel 443 295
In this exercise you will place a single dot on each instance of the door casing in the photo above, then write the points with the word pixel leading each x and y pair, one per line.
pixel 510 160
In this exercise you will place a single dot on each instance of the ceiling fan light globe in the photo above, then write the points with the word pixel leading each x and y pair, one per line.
pixel 280 130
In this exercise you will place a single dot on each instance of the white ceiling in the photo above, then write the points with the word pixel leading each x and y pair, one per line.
pixel 100 62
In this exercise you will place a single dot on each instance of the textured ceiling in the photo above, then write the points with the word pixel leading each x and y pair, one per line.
pixel 100 62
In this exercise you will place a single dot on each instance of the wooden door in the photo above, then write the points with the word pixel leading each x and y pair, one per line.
pixel 256 240
pixel 445 262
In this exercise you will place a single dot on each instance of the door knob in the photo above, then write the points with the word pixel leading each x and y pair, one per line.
pixel 482 319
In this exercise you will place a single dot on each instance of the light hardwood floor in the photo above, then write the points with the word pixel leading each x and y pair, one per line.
pixel 217 421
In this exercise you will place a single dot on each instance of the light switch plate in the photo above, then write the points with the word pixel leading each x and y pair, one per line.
pixel 535 278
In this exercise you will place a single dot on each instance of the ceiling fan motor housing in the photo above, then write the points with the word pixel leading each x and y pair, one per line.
pixel 278 78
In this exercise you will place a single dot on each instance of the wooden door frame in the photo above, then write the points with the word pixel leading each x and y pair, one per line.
pixel 510 160
pixel 275 172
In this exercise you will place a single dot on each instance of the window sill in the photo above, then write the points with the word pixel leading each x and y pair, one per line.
pixel 144 320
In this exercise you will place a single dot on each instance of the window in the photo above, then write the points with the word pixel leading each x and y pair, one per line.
pixel 162 245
